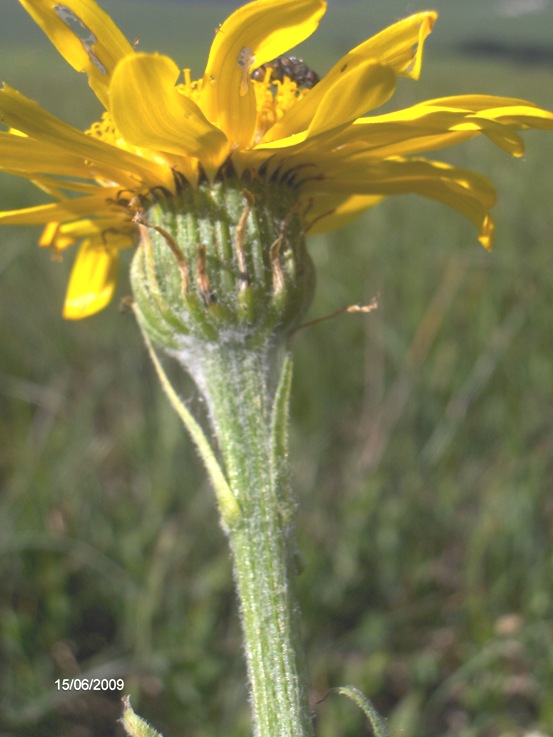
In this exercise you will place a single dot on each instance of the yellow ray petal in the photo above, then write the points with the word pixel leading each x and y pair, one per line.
pixel 331 212
pixel 104 204
pixel 121 166
pixel 428 126
pixel 424 128
pixel 508 110
pixel 58 188
pixel 469 193
pixel 337 100
pixel 27 157
pixel 509 113
pixel 109 231
pixel 52 238
pixel 149 111
pixel 85 36
pixel 252 35
pixel 93 280
pixel 445 121
pixel 400 45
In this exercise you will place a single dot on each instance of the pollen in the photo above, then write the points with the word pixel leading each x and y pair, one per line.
pixel 273 99
pixel 190 87
pixel 105 130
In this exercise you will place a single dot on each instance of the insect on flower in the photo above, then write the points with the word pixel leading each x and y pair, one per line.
pixel 287 66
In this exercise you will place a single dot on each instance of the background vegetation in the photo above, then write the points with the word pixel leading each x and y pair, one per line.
pixel 422 446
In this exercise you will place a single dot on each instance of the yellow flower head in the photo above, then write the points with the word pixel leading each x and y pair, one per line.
pixel 257 115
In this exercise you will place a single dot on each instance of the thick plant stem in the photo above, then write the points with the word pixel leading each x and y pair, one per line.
pixel 243 398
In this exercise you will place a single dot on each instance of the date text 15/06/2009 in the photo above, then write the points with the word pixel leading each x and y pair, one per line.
pixel 89 684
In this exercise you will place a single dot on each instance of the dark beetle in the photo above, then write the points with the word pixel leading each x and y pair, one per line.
pixel 287 66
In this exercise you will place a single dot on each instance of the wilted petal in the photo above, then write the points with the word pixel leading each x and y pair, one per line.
pixel 85 36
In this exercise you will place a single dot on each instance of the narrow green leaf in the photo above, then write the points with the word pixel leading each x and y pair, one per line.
pixel 134 725
pixel 228 505
pixel 376 721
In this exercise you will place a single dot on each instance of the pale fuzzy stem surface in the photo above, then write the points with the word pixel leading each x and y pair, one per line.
pixel 248 409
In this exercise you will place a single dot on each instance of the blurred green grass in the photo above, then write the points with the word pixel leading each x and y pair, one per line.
pixel 423 459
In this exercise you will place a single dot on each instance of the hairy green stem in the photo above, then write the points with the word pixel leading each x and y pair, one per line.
pixel 248 410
